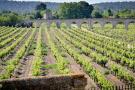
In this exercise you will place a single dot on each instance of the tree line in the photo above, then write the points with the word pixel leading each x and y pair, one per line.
pixel 9 18
pixel 125 13
pixel 73 10
pixel 82 9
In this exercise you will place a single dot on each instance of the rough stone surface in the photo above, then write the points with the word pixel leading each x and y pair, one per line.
pixel 64 82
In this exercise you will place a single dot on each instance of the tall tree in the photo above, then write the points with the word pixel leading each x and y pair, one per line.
pixel 85 9
pixel 41 6
pixel 96 13
pixel 40 10
pixel 75 10
pixel 38 15
pixel 108 13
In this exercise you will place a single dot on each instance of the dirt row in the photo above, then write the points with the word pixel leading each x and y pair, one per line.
pixel 25 66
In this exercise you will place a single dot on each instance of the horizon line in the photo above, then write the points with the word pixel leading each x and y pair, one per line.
pixel 69 2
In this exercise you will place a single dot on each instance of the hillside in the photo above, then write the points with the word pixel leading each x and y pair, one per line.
pixel 116 5
pixel 24 6
pixel 30 6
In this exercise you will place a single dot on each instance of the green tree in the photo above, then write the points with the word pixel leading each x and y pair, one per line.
pixel 75 10
pixel 96 13
pixel 38 15
pixel 107 13
pixel 10 18
pixel 40 10
pixel 85 9
pixel 126 13
pixel 41 7
pixel 55 14
pixel 110 13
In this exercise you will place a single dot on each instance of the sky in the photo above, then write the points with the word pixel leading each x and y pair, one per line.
pixel 90 1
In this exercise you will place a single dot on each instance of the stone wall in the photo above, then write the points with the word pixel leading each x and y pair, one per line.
pixel 90 22
pixel 64 82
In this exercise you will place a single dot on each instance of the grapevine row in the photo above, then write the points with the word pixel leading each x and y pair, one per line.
pixel 8 35
pixel 7 50
pixel 104 49
pixel 7 32
pixel 8 40
pixel 61 62
pixel 12 63
pixel 102 60
pixel 95 74
pixel 37 63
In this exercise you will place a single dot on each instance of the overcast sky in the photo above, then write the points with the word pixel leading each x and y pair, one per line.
pixel 90 1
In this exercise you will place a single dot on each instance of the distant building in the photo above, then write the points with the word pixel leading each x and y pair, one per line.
pixel 48 15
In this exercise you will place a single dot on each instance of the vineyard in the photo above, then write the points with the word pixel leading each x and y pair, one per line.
pixel 105 56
